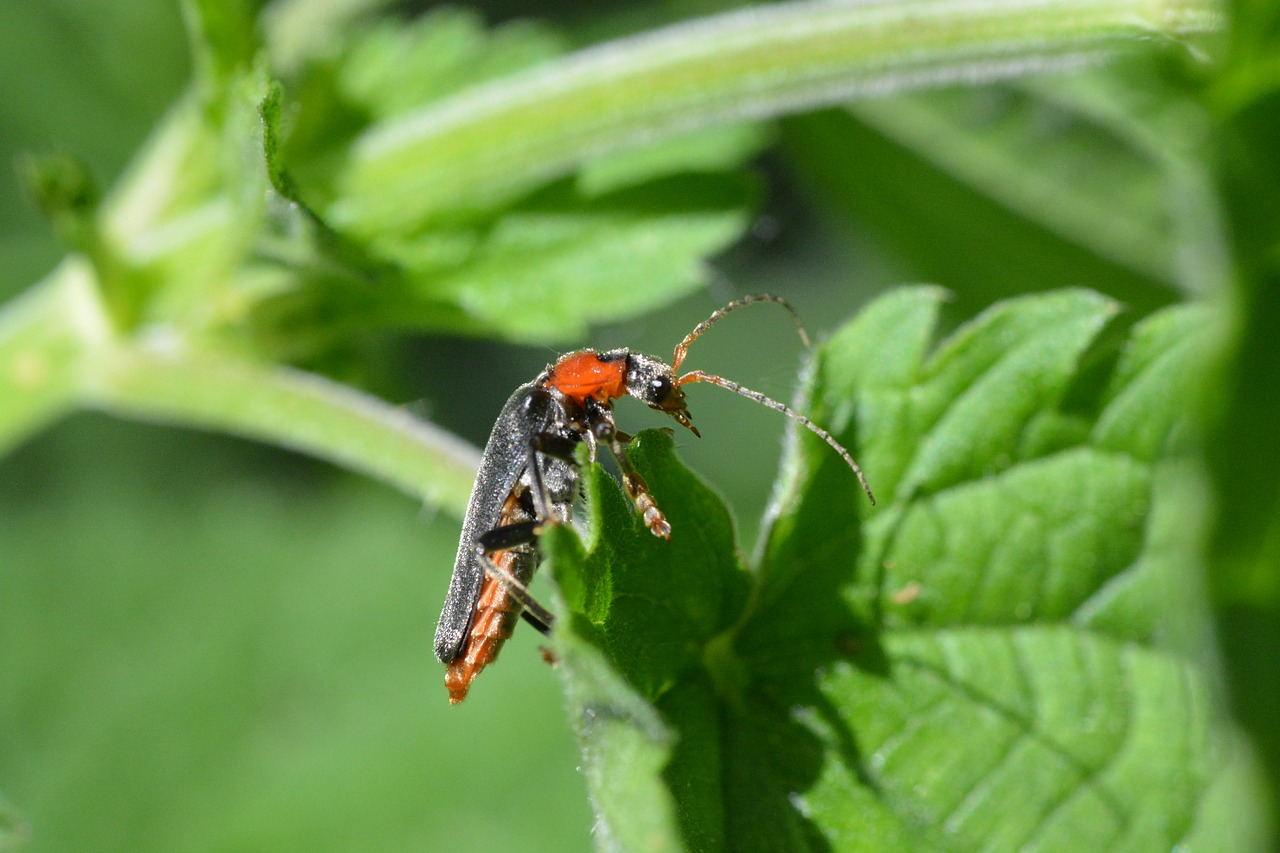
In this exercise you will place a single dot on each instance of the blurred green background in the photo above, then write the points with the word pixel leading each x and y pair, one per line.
pixel 207 644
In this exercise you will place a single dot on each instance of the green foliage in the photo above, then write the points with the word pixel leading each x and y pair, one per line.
pixel 463 269
pixel 1014 648
pixel 1016 621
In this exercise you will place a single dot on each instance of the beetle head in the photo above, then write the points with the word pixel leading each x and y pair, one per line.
pixel 654 382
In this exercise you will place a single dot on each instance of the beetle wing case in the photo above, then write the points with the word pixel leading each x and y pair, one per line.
pixel 505 458
pixel 528 413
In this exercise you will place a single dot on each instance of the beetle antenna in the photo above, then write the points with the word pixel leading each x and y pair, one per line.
pixel 683 347
pixel 699 376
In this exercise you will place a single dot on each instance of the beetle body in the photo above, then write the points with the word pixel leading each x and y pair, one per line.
pixel 529 478
pixel 478 616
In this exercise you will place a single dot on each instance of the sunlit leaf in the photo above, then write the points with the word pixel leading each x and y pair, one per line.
pixel 1013 622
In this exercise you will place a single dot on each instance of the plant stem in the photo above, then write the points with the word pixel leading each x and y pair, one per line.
pixel 57 352
pixel 44 335
pixel 499 138
pixel 290 408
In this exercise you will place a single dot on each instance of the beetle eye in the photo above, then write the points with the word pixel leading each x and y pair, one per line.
pixel 660 387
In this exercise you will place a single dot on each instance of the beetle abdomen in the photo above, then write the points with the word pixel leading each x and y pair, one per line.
pixel 494 621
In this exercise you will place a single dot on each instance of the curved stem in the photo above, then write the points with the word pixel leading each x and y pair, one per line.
pixel 44 336
pixel 290 408
pixel 497 139
pixel 57 352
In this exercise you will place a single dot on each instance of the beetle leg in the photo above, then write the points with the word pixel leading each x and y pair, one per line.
pixel 637 489
pixel 508 536
pixel 541 497
pixel 533 612
pixel 539 624
pixel 556 445
pixel 504 538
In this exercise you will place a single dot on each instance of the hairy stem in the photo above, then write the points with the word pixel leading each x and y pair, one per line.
pixel 505 136
pixel 58 353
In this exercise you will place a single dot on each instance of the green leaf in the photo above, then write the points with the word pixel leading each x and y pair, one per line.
pixel 370 72
pixel 1101 745
pixel 690 592
pixel 1015 621
pixel 1161 354
pixel 541 272
pixel 621 734
pixel 393 66
pixel 630 233
pixel 716 149
pixel 549 269
pixel 692 607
